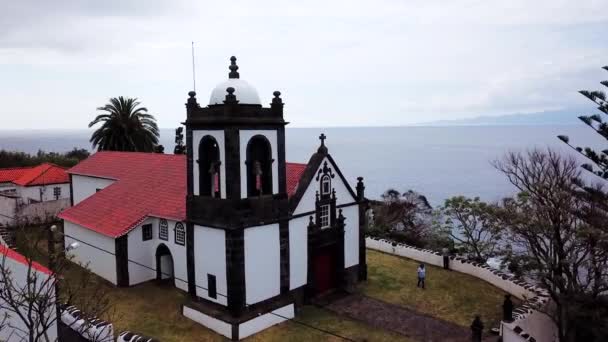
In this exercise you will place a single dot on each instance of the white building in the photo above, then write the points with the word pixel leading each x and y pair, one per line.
pixel 13 326
pixel 247 234
pixel 23 191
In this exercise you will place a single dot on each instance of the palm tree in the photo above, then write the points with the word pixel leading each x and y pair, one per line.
pixel 126 127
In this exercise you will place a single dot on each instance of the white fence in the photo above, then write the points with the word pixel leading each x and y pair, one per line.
pixel 528 325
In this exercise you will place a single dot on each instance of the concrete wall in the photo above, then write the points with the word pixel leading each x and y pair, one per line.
pixel 218 135
pixel 99 260
pixel 265 321
pixel 210 258
pixel 214 324
pixel 84 186
pixel 262 263
pixel 8 210
pixel 531 321
pixel 47 191
pixel 42 211
pixel 14 331
pixel 144 253
pixel 245 136
pixel 298 252
pixel 343 196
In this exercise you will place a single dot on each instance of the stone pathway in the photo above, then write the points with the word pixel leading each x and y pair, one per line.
pixel 401 320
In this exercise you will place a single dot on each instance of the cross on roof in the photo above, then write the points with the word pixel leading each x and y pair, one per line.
pixel 322 137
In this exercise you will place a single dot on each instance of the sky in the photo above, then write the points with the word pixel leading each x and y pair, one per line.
pixel 337 63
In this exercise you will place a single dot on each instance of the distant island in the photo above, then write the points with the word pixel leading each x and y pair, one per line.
pixel 558 117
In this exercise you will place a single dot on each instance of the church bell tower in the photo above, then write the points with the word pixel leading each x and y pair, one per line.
pixel 236 179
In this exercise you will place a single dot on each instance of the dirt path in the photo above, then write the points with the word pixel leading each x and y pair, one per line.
pixel 409 323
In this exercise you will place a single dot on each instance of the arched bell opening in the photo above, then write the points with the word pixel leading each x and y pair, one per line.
pixel 209 167
pixel 259 166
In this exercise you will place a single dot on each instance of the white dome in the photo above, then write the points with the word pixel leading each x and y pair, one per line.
pixel 245 93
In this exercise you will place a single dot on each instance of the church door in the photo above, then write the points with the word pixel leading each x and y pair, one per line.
pixel 324 271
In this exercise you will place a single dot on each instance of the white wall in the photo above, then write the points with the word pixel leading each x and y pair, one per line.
pixel 298 252
pixel 144 253
pixel 210 258
pixel 99 262
pixel 33 192
pixel 265 321
pixel 214 324
pixel 351 235
pixel 244 137
pixel 262 263
pixel 343 196
pixel 219 137
pixel 15 325
pixel 84 186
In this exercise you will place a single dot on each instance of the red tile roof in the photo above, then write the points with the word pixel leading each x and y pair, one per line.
pixel 294 173
pixel 148 184
pixel 42 174
pixel 11 254
pixel 9 175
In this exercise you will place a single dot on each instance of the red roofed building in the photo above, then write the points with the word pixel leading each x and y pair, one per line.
pixel 245 233
pixel 44 182
pixel 20 187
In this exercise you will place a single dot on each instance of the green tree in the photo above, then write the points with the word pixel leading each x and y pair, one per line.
pixel 599 159
pixel 472 224
pixel 559 248
pixel 125 127
pixel 78 154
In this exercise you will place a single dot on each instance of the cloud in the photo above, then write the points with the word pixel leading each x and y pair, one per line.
pixel 336 62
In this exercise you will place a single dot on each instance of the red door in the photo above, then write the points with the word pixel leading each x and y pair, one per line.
pixel 324 277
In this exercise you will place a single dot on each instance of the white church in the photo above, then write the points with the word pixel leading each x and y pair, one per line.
pixel 248 235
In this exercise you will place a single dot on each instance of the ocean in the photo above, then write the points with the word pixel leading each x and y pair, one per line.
pixel 438 162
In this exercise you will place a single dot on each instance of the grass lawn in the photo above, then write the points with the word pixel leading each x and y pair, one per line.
pixel 449 295
pixel 154 310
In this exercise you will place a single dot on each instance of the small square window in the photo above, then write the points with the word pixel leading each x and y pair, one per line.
pixel 324 216
pixel 57 192
pixel 163 230
pixel 211 286
pixel 146 231
pixel 180 234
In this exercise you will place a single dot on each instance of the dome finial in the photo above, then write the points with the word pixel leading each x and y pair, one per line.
pixel 233 68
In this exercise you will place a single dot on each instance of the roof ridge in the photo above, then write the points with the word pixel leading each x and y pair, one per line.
pixel 17 168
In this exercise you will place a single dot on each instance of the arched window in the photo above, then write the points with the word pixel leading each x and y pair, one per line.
pixel 180 234
pixel 325 185
pixel 209 167
pixel 163 230
pixel 259 166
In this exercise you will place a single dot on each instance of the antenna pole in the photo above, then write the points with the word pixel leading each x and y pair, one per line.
pixel 193 69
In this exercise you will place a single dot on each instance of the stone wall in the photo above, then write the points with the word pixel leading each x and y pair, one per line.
pixel 41 212
pixel 529 324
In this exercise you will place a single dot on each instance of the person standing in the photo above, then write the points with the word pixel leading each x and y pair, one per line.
pixel 421 276
pixel 446 258
pixel 507 309
pixel 476 329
